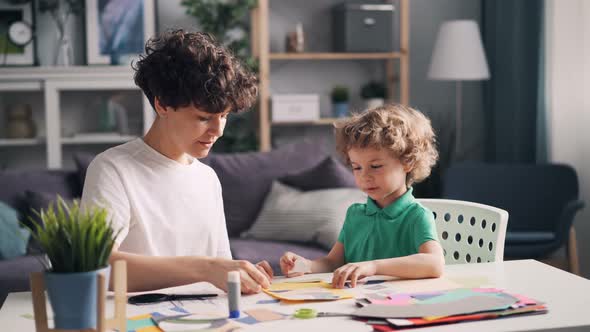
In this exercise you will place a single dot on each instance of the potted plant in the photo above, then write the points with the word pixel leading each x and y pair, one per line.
pixel 78 245
pixel 227 21
pixel 340 101
pixel 373 93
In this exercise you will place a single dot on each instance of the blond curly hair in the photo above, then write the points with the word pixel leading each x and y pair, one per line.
pixel 404 131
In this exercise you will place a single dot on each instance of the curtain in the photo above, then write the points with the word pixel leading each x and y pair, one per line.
pixel 511 32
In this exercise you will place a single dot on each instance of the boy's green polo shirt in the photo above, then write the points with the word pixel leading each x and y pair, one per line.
pixel 397 230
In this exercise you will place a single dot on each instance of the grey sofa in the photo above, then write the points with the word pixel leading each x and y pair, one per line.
pixel 246 179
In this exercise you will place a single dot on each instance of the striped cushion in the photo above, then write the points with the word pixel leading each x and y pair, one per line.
pixel 313 216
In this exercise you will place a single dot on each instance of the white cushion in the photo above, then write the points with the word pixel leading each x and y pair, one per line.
pixel 312 216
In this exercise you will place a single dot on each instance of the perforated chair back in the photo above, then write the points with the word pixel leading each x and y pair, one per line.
pixel 469 232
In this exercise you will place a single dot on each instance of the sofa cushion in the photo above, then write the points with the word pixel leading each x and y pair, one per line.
pixel 13 185
pixel 330 173
pixel 246 178
pixel 315 216
pixel 14 274
pixel 271 251
pixel 13 237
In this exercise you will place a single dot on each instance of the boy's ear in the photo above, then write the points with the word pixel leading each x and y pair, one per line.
pixel 408 167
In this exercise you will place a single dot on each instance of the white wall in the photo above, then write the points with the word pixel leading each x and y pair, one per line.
pixel 568 80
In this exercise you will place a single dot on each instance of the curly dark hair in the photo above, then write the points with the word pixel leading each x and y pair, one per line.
pixel 183 68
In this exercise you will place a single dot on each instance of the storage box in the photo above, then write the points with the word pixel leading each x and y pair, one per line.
pixel 363 27
pixel 295 107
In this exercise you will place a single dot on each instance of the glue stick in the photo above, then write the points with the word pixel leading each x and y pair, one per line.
pixel 233 293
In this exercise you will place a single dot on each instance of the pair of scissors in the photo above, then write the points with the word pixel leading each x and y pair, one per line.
pixel 307 313
pixel 159 297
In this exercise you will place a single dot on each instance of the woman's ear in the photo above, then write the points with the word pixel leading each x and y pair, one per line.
pixel 161 110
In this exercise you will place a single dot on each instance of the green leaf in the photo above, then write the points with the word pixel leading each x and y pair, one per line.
pixel 74 240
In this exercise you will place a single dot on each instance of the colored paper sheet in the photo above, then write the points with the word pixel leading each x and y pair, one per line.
pixel 307 291
pixel 271 301
pixel 301 266
pixel 142 323
pixel 477 303
pixel 264 315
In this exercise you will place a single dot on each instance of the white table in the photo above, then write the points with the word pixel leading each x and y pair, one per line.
pixel 567 297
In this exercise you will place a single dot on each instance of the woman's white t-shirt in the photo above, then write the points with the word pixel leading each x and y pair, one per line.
pixel 162 207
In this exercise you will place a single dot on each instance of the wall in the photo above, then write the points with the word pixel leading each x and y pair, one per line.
pixel 434 98
pixel 568 79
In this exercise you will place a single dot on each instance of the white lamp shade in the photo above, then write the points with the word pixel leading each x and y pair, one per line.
pixel 458 53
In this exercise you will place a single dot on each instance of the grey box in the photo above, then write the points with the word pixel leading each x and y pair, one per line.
pixel 365 27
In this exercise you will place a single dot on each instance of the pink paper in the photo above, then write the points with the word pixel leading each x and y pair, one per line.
pixel 523 300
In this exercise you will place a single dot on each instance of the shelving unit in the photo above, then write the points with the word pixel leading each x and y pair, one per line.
pixel 335 56
pixel 21 142
pixel 56 88
pixel 320 122
pixel 260 49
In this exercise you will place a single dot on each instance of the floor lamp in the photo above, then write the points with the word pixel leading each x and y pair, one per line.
pixel 458 56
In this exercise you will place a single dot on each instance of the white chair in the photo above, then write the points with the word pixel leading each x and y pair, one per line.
pixel 469 232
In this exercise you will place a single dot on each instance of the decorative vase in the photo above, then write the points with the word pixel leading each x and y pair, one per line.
pixel 73 298
pixel 340 110
pixel 374 103
pixel 19 122
pixel 63 52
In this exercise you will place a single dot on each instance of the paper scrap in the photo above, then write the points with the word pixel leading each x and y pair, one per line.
pixel 247 320
pixel 301 266
pixel 264 315
pixel 271 301
pixel 376 287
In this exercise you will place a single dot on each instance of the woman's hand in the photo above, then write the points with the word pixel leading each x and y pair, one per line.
pixel 253 278
pixel 287 263
pixel 353 272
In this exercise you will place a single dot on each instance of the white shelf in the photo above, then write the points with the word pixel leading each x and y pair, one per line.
pixel 53 85
pixel 336 56
pixel 71 72
pixel 20 141
pixel 319 122
pixel 107 139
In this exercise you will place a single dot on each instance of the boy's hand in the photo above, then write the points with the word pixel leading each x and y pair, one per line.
pixel 353 272
pixel 288 263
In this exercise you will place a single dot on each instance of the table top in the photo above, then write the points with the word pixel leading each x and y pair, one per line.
pixel 567 297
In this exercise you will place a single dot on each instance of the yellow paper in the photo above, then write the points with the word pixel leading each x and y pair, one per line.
pixel 307 291
pixel 297 285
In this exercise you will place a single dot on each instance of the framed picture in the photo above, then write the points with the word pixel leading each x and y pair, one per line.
pixel 16 34
pixel 116 30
